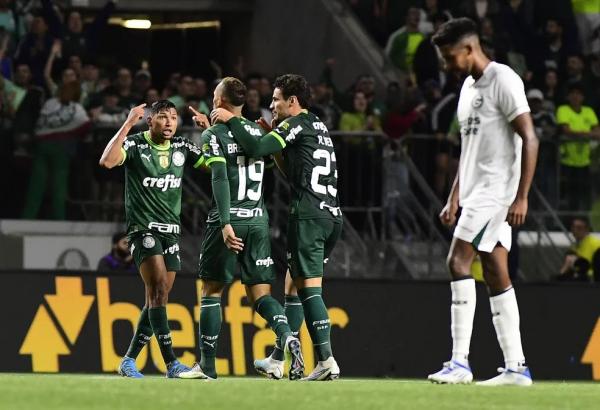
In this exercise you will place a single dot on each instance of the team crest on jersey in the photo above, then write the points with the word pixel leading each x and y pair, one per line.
pixel 148 242
pixel 178 158
pixel 163 160
pixel 477 101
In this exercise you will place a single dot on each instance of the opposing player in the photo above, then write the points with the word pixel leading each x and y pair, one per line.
pixel 154 162
pixel 315 220
pixel 237 232
pixel 497 163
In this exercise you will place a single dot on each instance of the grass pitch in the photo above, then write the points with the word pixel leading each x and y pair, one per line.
pixel 83 392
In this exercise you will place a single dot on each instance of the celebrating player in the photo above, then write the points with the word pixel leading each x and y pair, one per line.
pixel 154 161
pixel 237 232
pixel 315 220
pixel 497 163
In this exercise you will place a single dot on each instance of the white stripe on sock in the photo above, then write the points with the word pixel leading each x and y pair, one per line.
pixel 214 304
pixel 310 297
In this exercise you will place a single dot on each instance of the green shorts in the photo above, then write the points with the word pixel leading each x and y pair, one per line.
pixel 218 263
pixel 149 243
pixel 310 242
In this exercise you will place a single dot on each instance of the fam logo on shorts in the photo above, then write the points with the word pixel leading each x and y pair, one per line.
pixel 178 158
pixel 477 101
pixel 148 242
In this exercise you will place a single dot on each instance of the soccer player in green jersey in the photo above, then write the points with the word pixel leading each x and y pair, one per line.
pixel 315 220
pixel 237 232
pixel 154 162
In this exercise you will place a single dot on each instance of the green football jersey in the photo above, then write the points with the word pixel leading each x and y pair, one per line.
pixel 310 165
pixel 153 176
pixel 245 175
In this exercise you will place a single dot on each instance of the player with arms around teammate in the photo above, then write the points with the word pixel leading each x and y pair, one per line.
pixel 154 162
pixel 497 163
pixel 315 221
pixel 237 232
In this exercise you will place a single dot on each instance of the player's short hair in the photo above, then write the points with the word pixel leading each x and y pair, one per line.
pixel 453 31
pixel 162 105
pixel 296 85
pixel 234 91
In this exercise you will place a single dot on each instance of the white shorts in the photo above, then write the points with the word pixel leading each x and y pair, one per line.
pixel 484 227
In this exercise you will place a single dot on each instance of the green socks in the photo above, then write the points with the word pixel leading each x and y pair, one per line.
pixel 270 310
pixel 295 317
pixel 160 327
pixel 210 326
pixel 142 335
pixel 317 321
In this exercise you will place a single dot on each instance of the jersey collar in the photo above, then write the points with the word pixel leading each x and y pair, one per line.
pixel 162 147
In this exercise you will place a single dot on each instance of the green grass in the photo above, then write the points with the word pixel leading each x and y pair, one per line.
pixel 82 392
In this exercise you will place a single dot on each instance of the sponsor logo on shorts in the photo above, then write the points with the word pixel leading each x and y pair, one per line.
pixel 335 210
pixel 164 228
pixel 164 183
pixel 265 262
pixel 178 158
pixel 148 242
pixel 172 249
pixel 246 213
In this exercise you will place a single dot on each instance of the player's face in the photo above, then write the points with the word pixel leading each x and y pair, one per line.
pixel 164 123
pixel 280 106
pixel 456 58
pixel 579 229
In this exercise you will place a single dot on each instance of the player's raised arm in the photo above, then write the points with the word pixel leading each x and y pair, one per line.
pixel 523 126
pixel 265 145
pixel 114 154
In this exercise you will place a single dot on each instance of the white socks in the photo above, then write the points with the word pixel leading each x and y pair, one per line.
pixel 505 315
pixel 462 313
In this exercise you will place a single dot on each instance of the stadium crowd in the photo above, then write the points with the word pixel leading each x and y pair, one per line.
pixel 59 103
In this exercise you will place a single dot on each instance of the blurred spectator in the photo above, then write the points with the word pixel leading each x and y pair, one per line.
pixel 90 81
pixel 171 85
pixel 323 103
pixel 545 128
pixel 185 91
pixel 494 43
pixel 366 84
pixel 123 84
pixel 34 49
pixel 201 96
pixel 252 109
pixel 68 74
pixel 554 50
pixel 142 81
pixel 587 16
pixel 119 258
pixel 25 103
pixel 360 118
pixel 266 92
pixel 404 112
pixel 551 89
pixel 77 39
pixel 62 121
pixel 426 64
pixel 478 9
pixel 430 11
pixel 11 21
pixel 576 74
pixel 582 261
pixel 579 124
pixel 403 43
pixel 110 113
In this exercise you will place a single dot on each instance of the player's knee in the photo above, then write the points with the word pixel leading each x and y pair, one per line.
pixel 159 294
pixel 457 266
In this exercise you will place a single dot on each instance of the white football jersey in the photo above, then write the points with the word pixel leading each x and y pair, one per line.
pixel 490 159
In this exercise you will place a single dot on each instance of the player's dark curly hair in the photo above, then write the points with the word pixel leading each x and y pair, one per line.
pixel 161 105
pixel 453 31
pixel 294 85
pixel 234 91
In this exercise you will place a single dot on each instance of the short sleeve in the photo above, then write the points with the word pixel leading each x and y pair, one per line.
pixel 287 132
pixel 511 95
pixel 194 154
pixel 128 150
pixel 593 118
pixel 562 115
pixel 211 148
